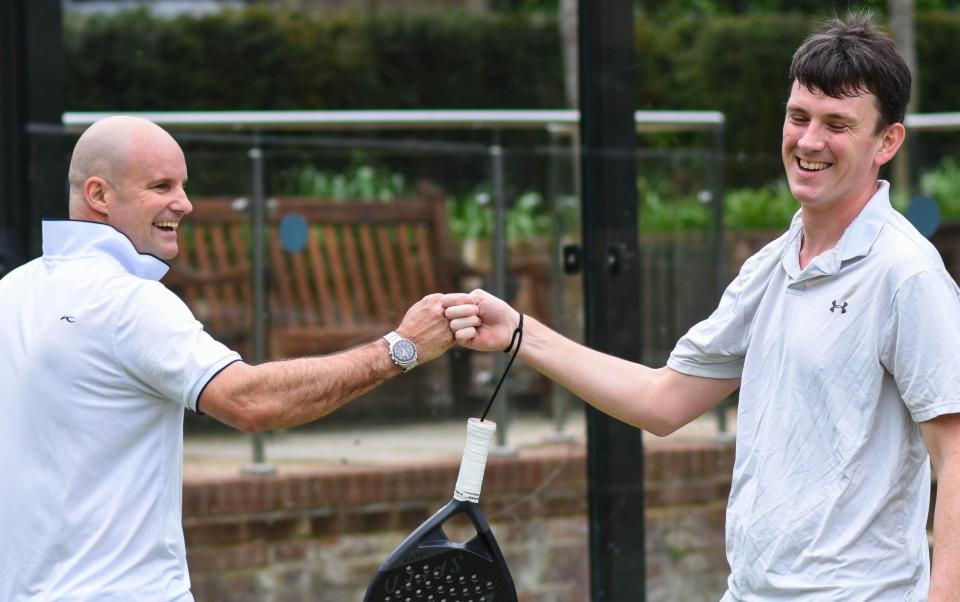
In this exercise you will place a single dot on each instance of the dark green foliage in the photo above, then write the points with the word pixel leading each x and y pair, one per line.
pixel 738 65
pixel 261 58
pixel 273 59
pixel 938 87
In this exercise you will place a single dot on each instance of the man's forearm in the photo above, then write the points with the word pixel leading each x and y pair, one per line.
pixel 293 392
pixel 657 400
pixel 945 573
pixel 942 436
pixel 313 387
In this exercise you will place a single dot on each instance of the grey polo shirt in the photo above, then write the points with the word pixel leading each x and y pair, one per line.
pixel 839 362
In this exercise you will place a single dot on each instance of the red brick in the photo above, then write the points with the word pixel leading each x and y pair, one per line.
pixel 207 558
pixel 216 533
pixel 279 538
pixel 290 551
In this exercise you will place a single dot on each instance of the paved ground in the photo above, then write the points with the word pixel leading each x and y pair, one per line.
pixel 228 453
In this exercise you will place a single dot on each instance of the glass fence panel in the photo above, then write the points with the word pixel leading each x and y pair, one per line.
pixel 355 227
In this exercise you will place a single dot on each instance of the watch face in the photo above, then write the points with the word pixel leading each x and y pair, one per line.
pixel 404 351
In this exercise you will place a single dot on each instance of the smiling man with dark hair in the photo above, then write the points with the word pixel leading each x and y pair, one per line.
pixel 843 336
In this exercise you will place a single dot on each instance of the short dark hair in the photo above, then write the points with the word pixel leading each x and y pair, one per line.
pixel 852 56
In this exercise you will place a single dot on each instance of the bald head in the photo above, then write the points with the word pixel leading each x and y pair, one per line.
pixel 108 149
pixel 129 173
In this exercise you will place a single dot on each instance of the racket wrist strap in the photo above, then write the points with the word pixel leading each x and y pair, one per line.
pixel 515 340
pixel 517 336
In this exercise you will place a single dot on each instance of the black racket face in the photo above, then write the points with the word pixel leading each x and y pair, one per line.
pixel 428 567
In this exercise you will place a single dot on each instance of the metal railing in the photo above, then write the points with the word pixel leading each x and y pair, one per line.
pixel 557 123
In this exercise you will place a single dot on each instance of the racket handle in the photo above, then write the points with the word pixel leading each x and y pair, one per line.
pixel 479 435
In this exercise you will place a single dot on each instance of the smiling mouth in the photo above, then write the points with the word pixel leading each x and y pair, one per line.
pixel 812 165
pixel 166 226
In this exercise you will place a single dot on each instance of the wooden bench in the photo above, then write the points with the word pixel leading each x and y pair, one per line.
pixel 363 265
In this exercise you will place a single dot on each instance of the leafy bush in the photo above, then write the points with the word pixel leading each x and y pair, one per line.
pixel 661 210
pixel 943 184
pixel 471 216
pixel 769 207
pixel 361 180
pixel 264 57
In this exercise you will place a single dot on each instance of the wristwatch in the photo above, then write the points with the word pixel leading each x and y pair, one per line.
pixel 402 351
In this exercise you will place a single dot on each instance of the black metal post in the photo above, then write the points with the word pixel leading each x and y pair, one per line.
pixel 611 291
pixel 258 218
pixel 33 166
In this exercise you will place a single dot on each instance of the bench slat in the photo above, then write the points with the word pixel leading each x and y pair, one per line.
pixel 320 276
pixel 283 309
pixel 210 292
pixel 390 269
pixel 373 274
pixel 413 290
pixel 425 253
pixel 339 279
pixel 355 289
pixel 304 296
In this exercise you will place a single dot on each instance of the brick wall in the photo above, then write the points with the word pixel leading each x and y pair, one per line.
pixel 319 534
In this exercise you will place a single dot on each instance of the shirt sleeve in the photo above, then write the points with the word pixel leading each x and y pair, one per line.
pixel 715 347
pixel 922 346
pixel 163 348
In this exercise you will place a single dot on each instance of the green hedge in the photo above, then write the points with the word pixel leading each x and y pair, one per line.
pixel 261 58
pixel 274 59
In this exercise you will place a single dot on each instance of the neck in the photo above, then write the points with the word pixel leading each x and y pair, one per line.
pixel 823 227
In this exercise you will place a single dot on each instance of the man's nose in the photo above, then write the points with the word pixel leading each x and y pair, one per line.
pixel 183 204
pixel 812 138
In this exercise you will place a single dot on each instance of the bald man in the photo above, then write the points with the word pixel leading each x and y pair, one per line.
pixel 99 362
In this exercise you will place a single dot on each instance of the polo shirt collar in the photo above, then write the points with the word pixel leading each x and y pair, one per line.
pixel 857 239
pixel 75 238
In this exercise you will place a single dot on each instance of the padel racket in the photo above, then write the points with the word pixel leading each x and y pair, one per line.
pixel 428 567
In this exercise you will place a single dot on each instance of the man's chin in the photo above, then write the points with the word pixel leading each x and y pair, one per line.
pixel 803 194
pixel 166 254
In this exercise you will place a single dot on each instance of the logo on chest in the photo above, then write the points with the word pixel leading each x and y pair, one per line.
pixel 842 306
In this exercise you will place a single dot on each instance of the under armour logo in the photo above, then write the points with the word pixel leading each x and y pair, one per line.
pixel 69 319
pixel 836 306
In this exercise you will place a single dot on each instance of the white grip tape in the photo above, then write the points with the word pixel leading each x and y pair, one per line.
pixel 479 436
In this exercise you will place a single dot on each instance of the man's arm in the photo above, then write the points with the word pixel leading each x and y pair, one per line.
pixel 942 435
pixel 293 392
pixel 656 400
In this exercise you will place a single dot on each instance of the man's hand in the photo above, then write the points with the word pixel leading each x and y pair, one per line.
pixel 425 325
pixel 479 320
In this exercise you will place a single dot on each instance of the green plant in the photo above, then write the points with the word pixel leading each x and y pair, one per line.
pixel 769 207
pixel 943 184
pixel 360 180
pixel 471 216
pixel 527 218
pixel 661 210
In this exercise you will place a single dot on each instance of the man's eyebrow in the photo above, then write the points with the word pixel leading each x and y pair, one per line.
pixel 155 181
pixel 847 117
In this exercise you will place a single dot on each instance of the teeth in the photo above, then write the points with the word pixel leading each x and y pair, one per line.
pixel 165 225
pixel 813 166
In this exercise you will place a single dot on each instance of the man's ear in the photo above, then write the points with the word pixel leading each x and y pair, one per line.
pixel 891 141
pixel 96 191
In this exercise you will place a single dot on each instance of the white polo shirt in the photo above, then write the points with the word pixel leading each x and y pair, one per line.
pixel 97 362
pixel 839 362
